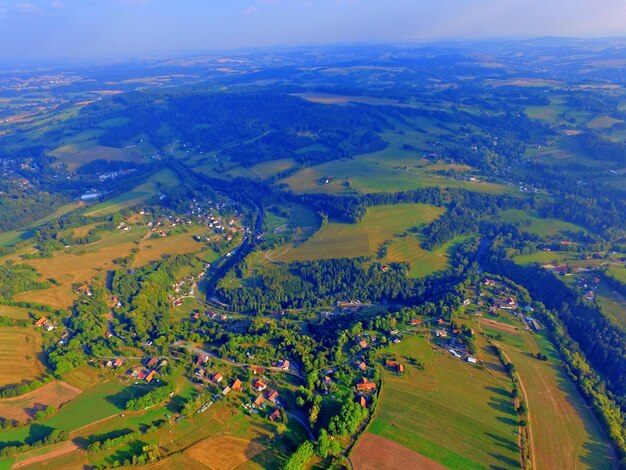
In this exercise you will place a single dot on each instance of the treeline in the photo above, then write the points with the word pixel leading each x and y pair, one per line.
pixel 151 398
pixel 603 343
pixel 55 436
pixel 16 390
pixel 113 442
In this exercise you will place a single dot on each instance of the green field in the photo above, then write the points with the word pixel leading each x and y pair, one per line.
pixel 340 240
pixel 531 222
pixel 423 262
pixel 104 400
pixel 565 434
pixel 141 193
pixel 451 412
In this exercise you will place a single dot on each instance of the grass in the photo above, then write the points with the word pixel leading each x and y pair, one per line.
pixel 20 351
pixel 18 313
pixel 104 400
pixel 380 223
pixel 78 153
pixel 532 223
pixel 612 304
pixel 421 261
pixel 364 174
pixel 565 433
pixel 451 412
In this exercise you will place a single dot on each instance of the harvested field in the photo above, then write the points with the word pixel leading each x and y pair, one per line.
pixel 374 452
pixel 19 355
pixel 39 461
pixel 224 453
pixel 76 155
pixel 25 406
pixel 498 326
pixel 153 249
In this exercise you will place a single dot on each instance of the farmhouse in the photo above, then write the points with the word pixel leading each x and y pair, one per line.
pixel 283 365
pixel 441 333
pixel 416 322
pixel 363 344
pixel 41 321
pixel 259 400
pixel 151 376
pixel 257 369
pixel 274 415
pixel 362 401
pixel 118 362
pixel 272 396
pixel 365 385
pixel 362 366
pixel 236 385
pixel 218 377
pixel 259 385
pixel 152 362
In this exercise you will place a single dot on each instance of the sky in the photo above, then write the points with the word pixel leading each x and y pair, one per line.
pixel 82 29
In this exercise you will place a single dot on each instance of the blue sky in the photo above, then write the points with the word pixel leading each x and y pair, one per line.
pixel 55 29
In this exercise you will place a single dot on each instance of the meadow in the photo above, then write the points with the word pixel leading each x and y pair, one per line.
pixel 532 223
pixel 565 434
pixel 20 355
pixel 340 240
pixel 452 412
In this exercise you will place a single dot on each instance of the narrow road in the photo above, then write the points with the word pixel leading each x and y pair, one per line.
pixel 305 425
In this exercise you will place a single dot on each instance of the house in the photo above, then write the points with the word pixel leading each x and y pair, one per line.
pixel 236 385
pixel 226 391
pixel 441 333
pixel 151 376
pixel 118 363
pixel 391 363
pixel 365 385
pixel 108 334
pixel 162 364
pixel 283 365
pixel 41 321
pixel 109 364
pixel 48 327
pixel 152 362
pixel 400 369
pixel 471 360
pixel 362 401
pixel 362 365
pixel 274 415
pixel 217 377
pixel 202 359
pixel 466 302
pixel 272 396
pixel 259 385
pixel 259 400
pixel 393 332
pixel 363 344
pixel 416 322
pixel 440 322
pixel 257 369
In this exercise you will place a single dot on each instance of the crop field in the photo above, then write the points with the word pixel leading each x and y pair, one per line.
pixel 380 223
pixel 564 432
pixel 224 452
pixel 25 406
pixel 374 452
pixel 452 412
pixel 535 224
pixel 20 351
pixel 612 303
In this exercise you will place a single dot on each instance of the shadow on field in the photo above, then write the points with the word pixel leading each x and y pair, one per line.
pixel 506 461
pixel 503 442
pixel 498 391
pixel 500 404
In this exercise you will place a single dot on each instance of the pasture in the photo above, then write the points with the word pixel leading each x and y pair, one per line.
pixel 18 313
pixel 20 354
pixel 565 434
pixel 24 407
pixel 224 452
pixel 421 261
pixel 451 412
pixel 74 155
pixel 341 240
pixel 531 222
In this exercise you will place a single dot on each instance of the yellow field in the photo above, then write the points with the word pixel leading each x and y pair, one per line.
pixel 18 313
pixel 224 452
pixel 153 249
pixel 24 407
pixel 340 240
pixel 20 350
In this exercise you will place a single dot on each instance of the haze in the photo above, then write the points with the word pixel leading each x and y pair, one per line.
pixel 123 28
